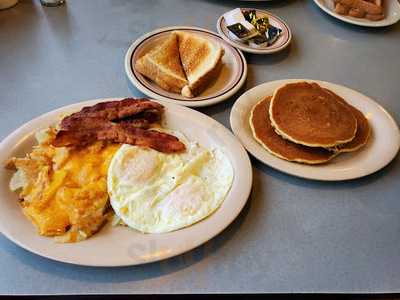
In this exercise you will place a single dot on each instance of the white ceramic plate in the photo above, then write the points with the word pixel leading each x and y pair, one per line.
pixel 381 148
pixel 232 76
pixel 121 246
pixel 392 13
pixel 281 43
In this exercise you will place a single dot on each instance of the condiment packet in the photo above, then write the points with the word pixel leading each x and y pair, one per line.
pixel 239 28
pixel 267 39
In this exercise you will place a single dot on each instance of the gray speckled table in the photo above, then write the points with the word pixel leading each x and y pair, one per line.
pixel 294 235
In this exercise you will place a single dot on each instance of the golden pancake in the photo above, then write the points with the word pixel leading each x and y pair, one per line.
pixel 306 114
pixel 265 134
pixel 363 128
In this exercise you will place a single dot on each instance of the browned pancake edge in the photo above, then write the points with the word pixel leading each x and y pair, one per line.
pixel 306 114
pixel 363 129
pixel 264 133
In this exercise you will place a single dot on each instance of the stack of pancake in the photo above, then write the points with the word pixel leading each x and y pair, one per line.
pixel 303 122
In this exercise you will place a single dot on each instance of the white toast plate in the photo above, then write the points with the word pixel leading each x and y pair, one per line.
pixel 121 246
pixel 231 77
pixel 381 148
pixel 391 8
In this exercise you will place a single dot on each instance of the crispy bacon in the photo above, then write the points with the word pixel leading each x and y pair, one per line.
pixel 119 123
pixel 116 111
pixel 156 140
pixel 138 123
pixel 120 133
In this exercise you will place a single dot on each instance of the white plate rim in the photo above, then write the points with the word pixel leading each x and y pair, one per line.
pixel 254 50
pixel 245 184
pixel 258 149
pixel 361 22
pixel 189 103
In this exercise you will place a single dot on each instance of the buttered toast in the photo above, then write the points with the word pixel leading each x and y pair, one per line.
pixel 163 65
pixel 201 61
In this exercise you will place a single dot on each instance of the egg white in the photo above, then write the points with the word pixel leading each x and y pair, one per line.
pixel 154 192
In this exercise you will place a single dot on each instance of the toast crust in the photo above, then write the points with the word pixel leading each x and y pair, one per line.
pixel 184 63
pixel 201 61
pixel 202 82
pixel 163 66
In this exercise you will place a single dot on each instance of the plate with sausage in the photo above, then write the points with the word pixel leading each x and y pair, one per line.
pixel 368 13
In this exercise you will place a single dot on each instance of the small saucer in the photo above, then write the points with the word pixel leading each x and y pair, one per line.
pixel 281 43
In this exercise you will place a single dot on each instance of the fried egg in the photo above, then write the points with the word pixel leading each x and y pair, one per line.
pixel 154 192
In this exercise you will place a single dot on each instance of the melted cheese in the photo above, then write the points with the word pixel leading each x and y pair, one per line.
pixel 68 193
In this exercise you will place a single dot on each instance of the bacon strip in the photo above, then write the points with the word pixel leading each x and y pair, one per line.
pixel 116 110
pixel 133 117
pixel 156 140
pixel 120 133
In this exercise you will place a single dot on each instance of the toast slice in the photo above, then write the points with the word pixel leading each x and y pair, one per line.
pixel 163 66
pixel 201 61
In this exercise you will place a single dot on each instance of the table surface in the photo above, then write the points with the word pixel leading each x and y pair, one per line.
pixel 294 235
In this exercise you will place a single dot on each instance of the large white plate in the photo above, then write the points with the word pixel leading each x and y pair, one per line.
pixel 392 13
pixel 381 148
pixel 281 43
pixel 120 246
pixel 232 76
